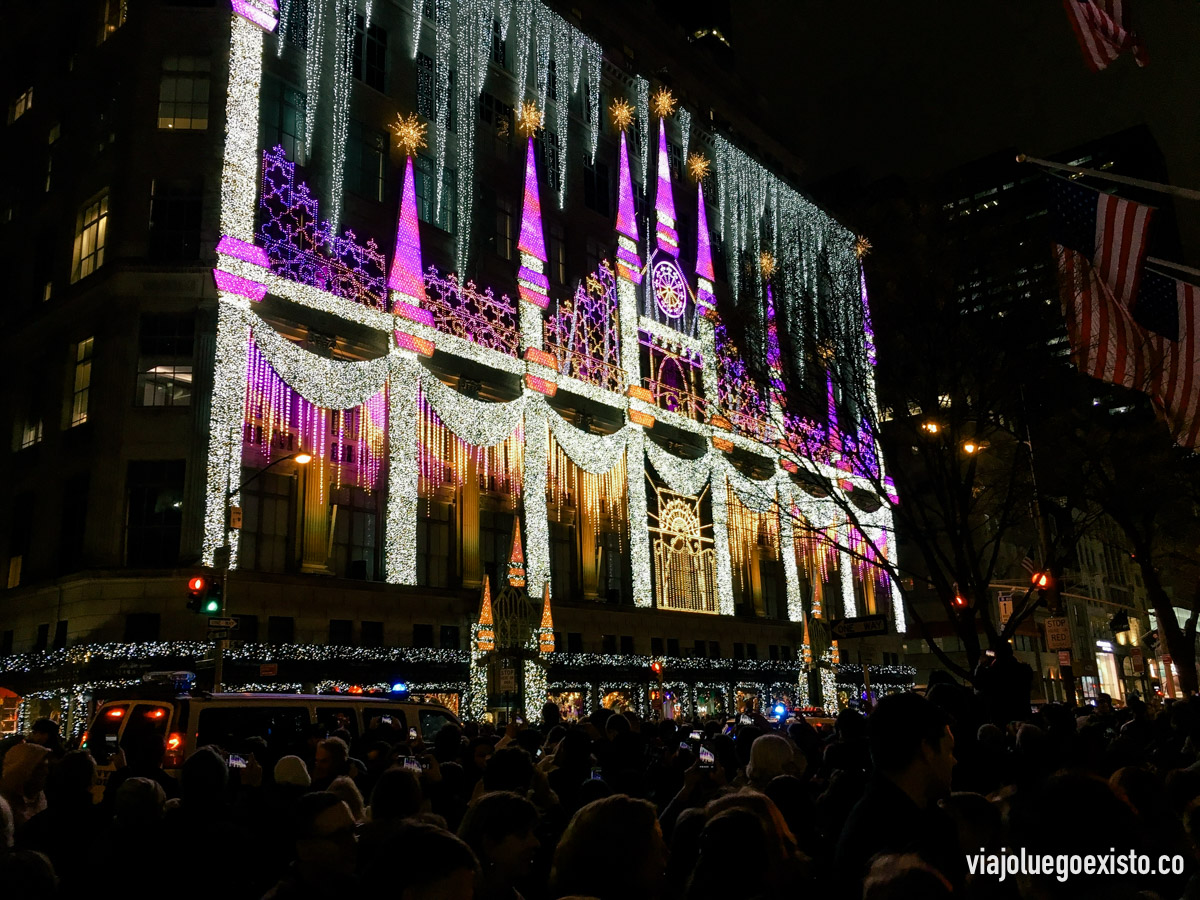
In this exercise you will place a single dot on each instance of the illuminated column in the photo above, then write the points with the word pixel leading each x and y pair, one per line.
pixel 706 301
pixel 664 200
pixel 720 513
pixel 537 523
pixel 532 283
pixel 589 563
pixel 787 549
pixel 639 531
pixel 401 529
pixel 315 553
pixel 483 642
pixel 846 568
pixel 468 516
pixel 239 174
pixel 756 592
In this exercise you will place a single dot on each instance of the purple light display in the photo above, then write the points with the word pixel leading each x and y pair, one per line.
pixel 583 335
pixel 704 265
pixel 231 246
pixel 664 202
pixel 531 241
pixel 626 213
pixel 774 357
pixel 278 421
pixel 302 248
pixel 263 13
pixel 236 284
pixel 739 395
pixel 405 275
pixel 466 312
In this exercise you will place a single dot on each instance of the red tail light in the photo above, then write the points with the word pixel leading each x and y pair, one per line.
pixel 83 742
pixel 116 712
pixel 176 741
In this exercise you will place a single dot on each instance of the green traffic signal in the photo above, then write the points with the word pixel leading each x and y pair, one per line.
pixel 212 606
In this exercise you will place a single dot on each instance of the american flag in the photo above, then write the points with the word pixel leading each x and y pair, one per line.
pixel 1107 343
pixel 1103 31
pixel 1108 230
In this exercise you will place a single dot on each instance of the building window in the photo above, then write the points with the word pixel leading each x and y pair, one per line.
pixel 656 646
pixel 183 93
pixel 355 534
pixel 552 79
pixel 596 189
pixel 82 382
pixel 433 544
pixel 175 208
pixel 608 643
pixel 282 121
pixel 700 647
pixel 499 50
pixel 165 346
pixel 60 635
pixel 675 157
pixel 557 251
pixel 425 107
pixel 449 637
pixel 372 634
pixel 785 652
pixel 739 650
pixel 341 632
pixel 91 228
pixel 426 198
pixel 627 644
pixel 752 651
pixel 142 627
pixel 73 522
pixel 154 520
pixel 31 432
pixel 112 17
pixel 672 646
pixel 596 253
pixel 498 116
pixel 714 650
pixel 505 234
pixel 281 629
pixel 551 148
pixel 574 642
pixel 422 635
pixel 366 161
pixel 294 23
pixel 370 54
pixel 21 105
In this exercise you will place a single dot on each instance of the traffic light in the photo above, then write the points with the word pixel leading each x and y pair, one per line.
pixel 657 668
pixel 1041 580
pixel 197 593
pixel 212 604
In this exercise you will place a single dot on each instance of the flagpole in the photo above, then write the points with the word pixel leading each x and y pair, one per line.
pixel 1155 261
pixel 1186 193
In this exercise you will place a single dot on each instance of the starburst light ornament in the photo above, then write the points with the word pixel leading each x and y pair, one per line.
pixel 410 133
pixel 529 118
pixel 663 103
pixel 621 113
pixel 698 165
pixel 862 246
pixel 766 262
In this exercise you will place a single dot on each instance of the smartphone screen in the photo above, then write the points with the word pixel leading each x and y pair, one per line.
pixel 412 733
pixel 236 762
pixel 707 760
pixel 597 774
pixel 697 736
pixel 746 720
pixel 411 763
pixel 685 745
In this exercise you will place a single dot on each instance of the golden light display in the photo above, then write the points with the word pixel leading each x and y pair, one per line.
pixel 862 246
pixel 529 118
pixel 698 166
pixel 601 498
pixel 766 262
pixel 621 113
pixel 410 133
pixel 445 458
pixel 663 103
pixel 683 553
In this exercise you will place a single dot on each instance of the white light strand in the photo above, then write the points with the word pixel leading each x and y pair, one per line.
pixel 441 89
pixel 343 82
pixel 684 118
pixel 537 523
pixel 787 552
pixel 593 453
pixel 522 34
pixel 627 312
pixel 476 704
pixel 543 36
pixel 683 476
pixel 534 696
pixel 478 422
pixel 562 90
pixel 503 14
pixel 474 50
pixel 366 16
pixel 314 62
pixel 400 528
pixel 285 15
pixel 643 113
pixel 595 61
pixel 239 172
pixel 639 526
pixel 417 18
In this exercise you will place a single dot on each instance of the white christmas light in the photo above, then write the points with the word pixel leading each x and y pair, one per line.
pixel 684 117
pixel 478 422
pixel 400 528
pixel 642 87
pixel 239 172
pixel 441 93
pixel 314 62
pixel 343 81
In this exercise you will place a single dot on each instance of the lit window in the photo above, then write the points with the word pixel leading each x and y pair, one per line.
pixel 31 432
pixel 112 17
pixel 90 230
pixel 183 93
pixel 165 347
pixel 20 106
pixel 14 572
pixel 83 382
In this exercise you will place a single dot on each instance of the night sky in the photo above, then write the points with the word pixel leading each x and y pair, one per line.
pixel 915 88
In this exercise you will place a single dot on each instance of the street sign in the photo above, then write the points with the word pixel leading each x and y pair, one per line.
pixel 1139 661
pixel 1058 633
pixel 863 626
pixel 235 517
pixel 1006 607
pixel 267 670
pixel 508 679
pixel 226 622
pixel 1064 657
pixel 220 636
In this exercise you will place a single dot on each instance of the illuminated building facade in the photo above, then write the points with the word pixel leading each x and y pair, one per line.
pixel 465 302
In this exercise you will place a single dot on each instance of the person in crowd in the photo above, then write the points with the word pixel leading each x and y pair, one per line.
pixel 344 788
pixel 324 850
pixel 141 756
pixel 771 756
pixel 45 733
pixel 23 781
pixel 500 828
pixel 70 820
pixel 912 750
pixel 447 869
pixel 613 849
pixel 27 873
pixel 331 759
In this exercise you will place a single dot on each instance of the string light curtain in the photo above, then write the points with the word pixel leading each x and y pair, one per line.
pixel 749 528
pixel 445 458
pixel 600 497
pixel 348 445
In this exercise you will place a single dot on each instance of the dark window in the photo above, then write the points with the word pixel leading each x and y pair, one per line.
pixel 429 10
pixel 372 634
pixel 552 79
pixel 498 116
pixel 60 635
pixel 165 349
pixel 142 626
pixel 427 198
pixel 433 544
pixel 449 637
pixel 672 646
pixel 6 642
pixel 283 117
pixel 608 643
pixel 341 632
pixel 596 190
pixel 284 728
pixel 422 636
pixel 551 149
pixel 499 50
pixel 556 249
pixel 714 650
pixel 785 652
pixel 154 491
pixel 281 629
pixel 627 643
pixel 72 523
pixel 738 650
pixel 247 628
pixel 596 252
pixel 656 646
pixel 43 637
pixel 452 102
pixel 20 531
pixel 675 157
pixel 701 647
pixel 773 651
pixel 175 206
pixel 366 160
pixel 574 642
pixel 558 640
pixel 335 718
pixel 294 24
pixel 370 54
pixel 425 93
pixel 506 235
pixel 752 651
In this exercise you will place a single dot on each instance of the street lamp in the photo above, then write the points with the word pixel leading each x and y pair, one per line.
pixel 222 555
pixel 971 447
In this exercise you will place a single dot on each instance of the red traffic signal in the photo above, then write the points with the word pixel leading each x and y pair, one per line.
pixel 657 668
pixel 197 592
pixel 960 601
pixel 197 583
pixel 1041 580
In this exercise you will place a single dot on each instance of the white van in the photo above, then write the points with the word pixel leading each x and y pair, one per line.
pixel 284 721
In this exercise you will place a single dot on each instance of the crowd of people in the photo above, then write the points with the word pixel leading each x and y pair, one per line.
pixel 885 806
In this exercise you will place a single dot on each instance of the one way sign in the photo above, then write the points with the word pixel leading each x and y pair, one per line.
pixel 863 626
